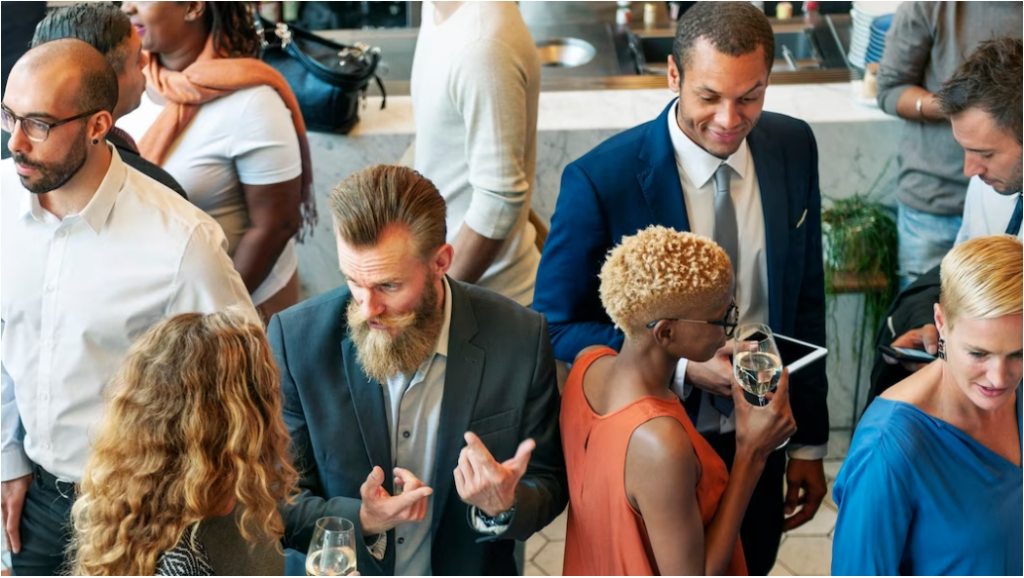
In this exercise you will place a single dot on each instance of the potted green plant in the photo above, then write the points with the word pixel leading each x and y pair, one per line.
pixel 861 253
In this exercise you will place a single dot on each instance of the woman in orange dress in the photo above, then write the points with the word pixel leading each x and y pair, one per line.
pixel 648 495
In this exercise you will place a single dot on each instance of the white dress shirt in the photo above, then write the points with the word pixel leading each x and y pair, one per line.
pixel 77 291
pixel 696 174
pixel 986 212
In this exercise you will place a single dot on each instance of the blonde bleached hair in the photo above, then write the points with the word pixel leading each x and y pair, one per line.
pixel 659 273
pixel 193 417
pixel 983 279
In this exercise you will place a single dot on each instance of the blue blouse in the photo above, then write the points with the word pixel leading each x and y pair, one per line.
pixel 917 496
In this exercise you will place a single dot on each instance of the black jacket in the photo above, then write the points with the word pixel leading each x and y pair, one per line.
pixel 913 308
pixel 132 158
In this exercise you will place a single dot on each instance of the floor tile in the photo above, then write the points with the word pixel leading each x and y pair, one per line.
pixel 551 558
pixel 828 501
pixel 532 570
pixel 820 525
pixel 535 544
pixel 832 468
pixel 556 529
pixel 807 556
pixel 780 570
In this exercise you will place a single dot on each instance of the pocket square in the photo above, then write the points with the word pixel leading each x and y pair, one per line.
pixel 803 217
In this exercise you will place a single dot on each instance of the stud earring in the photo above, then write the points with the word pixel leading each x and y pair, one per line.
pixel 95 141
pixel 942 348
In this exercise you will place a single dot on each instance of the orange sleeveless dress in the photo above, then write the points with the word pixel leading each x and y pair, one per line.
pixel 605 535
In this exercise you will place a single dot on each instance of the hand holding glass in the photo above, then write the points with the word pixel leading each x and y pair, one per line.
pixel 332 551
pixel 756 362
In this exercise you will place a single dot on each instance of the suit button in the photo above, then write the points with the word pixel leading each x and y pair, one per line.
pixel 401 540
pixel 406 434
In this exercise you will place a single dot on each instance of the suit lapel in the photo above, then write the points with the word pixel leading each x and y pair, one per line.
pixel 368 399
pixel 768 163
pixel 463 374
pixel 660 179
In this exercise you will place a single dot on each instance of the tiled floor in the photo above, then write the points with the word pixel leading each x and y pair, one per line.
pixel 806 551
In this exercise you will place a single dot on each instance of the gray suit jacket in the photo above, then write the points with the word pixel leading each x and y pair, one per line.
pixel 500 384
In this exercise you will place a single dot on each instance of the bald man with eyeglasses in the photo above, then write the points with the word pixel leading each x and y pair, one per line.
pixel 94 253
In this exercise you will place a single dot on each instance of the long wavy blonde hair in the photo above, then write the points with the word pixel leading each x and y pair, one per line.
pixel 193 419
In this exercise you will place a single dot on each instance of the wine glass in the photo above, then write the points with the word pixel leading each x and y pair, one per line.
pixel 756 362
pixel 332 552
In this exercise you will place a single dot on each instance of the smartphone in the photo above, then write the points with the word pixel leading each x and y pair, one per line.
pixel 905 354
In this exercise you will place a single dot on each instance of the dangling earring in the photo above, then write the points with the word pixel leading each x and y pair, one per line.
pixel 942 348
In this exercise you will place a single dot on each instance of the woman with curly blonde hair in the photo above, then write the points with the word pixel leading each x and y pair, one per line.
pixel 658 500
pixel 193 431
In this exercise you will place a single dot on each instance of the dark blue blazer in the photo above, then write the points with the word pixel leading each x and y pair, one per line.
pixel 499 383
pixel 630 182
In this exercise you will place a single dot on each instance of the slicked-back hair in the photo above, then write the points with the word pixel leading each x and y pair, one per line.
pixel 100 24
pixel 372 200
pixel 732 28
pixel 990 79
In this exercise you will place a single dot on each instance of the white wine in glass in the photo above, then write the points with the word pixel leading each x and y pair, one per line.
pixel 332 550
pixel 756 361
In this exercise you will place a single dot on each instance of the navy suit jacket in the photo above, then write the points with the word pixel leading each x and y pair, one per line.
pixel 630 182
pixel 499 383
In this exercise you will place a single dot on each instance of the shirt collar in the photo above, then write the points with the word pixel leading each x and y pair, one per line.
pixel 98 209
pixel 698 164
pixel 96 212
pixel 442 337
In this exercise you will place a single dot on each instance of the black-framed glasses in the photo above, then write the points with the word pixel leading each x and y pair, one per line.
pixel 729 322
pixel 36 130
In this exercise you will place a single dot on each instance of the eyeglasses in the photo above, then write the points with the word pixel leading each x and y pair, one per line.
pixel 35 129
pixel 732 317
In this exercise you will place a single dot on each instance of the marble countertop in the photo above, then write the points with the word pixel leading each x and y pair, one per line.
pixel 622 109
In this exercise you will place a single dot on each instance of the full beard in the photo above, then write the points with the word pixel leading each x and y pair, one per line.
pixel 53 176
pixel 382 356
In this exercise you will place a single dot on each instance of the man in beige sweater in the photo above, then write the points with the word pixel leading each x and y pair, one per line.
pixel 475 91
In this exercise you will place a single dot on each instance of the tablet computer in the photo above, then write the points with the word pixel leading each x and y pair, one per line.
pixel 795 354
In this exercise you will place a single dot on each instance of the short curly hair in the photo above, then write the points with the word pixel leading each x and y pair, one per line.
pixel 660 272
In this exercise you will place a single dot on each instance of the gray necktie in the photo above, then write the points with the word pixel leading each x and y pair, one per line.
pixel 728 239
pixel 725 216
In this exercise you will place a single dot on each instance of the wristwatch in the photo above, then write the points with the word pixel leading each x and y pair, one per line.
pixel 501 519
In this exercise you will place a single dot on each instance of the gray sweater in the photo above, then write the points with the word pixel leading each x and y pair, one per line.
pixel 926 43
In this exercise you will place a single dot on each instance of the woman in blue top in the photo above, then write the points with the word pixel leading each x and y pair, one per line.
pixel 932 483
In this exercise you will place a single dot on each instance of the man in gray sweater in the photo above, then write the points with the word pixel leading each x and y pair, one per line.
pixel 926 43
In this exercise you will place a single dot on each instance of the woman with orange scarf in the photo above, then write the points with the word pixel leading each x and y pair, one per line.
pixel 228 128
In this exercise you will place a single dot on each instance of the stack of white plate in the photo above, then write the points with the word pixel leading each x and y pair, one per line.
pixel 862 16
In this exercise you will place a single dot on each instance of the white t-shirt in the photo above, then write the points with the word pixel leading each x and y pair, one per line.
pixel 246 137
pixel 475 92
pixel 986 212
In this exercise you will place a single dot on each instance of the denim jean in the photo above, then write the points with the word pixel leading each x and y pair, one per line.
pixel 924 239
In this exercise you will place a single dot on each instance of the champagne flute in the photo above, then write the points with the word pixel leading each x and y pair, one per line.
pixel 756 362
pixel 332 551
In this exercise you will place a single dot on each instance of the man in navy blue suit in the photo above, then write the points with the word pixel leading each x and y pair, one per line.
pixel 713 164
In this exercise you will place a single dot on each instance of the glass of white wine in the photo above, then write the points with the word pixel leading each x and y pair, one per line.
pixel 756 362
pixel 332 551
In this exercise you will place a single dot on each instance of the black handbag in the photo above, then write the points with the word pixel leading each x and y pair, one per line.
pixel 329 79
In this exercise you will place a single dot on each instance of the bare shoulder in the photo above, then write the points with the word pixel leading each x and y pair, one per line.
pixel 662 440
pixel 917 388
